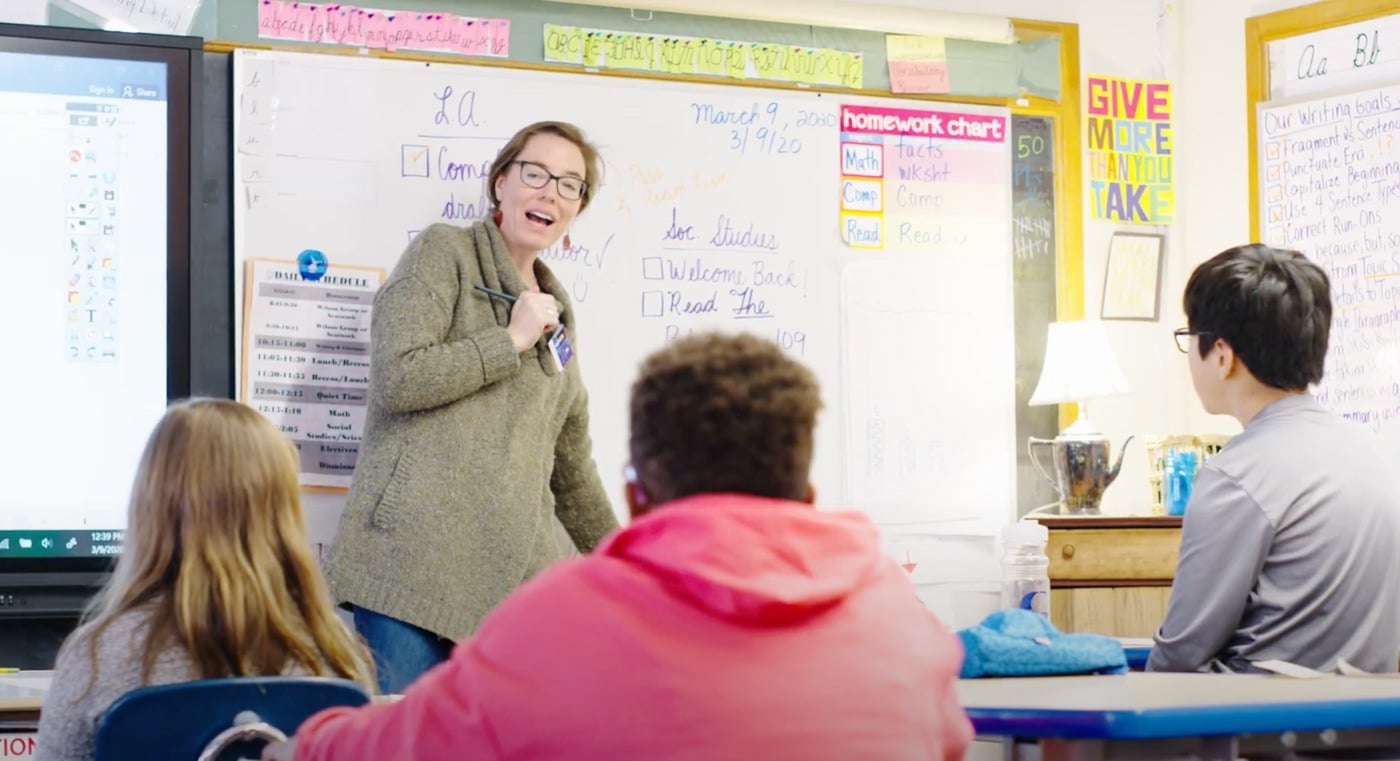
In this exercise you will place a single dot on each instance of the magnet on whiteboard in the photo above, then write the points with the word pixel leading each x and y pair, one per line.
pixel 311 264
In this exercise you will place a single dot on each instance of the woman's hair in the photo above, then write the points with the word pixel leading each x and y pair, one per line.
pixel 723 413
pixel 592 165
pixel 217 555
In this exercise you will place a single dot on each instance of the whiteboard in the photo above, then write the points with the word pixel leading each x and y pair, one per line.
pixel 1337 58
pixel 718 209
pixel 1330 188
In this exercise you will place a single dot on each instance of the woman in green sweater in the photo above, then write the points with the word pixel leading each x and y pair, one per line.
pixel 476 445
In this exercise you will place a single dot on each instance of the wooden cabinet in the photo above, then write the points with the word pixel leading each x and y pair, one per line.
pixel 1111 575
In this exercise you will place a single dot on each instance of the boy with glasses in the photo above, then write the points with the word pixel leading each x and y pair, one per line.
pixel 1290 545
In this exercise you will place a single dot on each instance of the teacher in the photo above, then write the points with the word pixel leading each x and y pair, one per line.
pixel 476 456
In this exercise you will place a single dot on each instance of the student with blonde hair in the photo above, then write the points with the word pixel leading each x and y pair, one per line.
pixel 216 577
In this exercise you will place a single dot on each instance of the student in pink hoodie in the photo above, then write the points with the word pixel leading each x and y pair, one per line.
pixel 729 620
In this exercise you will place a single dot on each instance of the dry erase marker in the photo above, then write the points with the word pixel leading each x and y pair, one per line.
pixel 9 671
pixel 509 299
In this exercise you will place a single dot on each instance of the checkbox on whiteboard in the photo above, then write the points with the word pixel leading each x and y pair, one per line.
pixel 411 235
pixel 1275 193
pixel 1273 173
pixel 652 269
pixel 1276 213
pixel 1272 149
pixel 653 304
pixel 413 160
pixel 1277 237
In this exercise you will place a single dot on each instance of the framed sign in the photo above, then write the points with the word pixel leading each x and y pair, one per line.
pixel 1132 280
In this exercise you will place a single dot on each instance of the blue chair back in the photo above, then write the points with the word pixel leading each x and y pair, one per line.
pixel 213 719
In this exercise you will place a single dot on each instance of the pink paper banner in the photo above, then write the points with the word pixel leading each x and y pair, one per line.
pixel 334 24
pixel 947 125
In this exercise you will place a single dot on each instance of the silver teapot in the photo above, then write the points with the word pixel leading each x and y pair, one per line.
pixel 1082 469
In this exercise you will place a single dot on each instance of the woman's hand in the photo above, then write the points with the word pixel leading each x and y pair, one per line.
pixel 279 751
pixel 533 315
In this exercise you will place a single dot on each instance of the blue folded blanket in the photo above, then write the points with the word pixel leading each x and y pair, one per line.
pixel 1017 642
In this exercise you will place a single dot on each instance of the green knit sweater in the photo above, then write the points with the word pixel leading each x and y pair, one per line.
pixel 470 450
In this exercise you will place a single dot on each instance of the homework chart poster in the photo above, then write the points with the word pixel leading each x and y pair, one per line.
pixel 1130 150
pixel 910 178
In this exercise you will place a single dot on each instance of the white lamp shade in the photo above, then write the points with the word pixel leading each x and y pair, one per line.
pixel 1079 365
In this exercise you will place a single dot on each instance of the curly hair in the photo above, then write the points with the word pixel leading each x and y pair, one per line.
pixel 715 413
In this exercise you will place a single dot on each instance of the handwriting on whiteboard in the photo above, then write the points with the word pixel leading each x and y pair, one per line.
pixel 1354 55
pixel 158 16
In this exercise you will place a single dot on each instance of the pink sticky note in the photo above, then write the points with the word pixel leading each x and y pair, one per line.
pixel 392 30
pixel 337 24
pixel 500 40
pixel 276 20
pixel 376 30
pixel 267 18
pixel 316 23
pixel 303 17
pixel 919 76
pixel 435 32
pixel 475 37
pixel 411 30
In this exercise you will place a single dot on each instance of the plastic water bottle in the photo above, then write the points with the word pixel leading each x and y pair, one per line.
pixel 1025 577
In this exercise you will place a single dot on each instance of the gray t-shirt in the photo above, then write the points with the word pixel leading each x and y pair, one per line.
pixel 1290 550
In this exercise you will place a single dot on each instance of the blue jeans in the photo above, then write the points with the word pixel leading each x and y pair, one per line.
pixel 402 651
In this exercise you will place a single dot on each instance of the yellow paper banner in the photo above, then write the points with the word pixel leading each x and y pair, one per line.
pixel 692 56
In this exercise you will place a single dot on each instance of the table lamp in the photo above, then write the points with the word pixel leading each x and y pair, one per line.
pixel 1079 366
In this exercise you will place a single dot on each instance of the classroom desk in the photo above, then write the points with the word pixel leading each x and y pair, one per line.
pixel 1216 717
pixel 21 696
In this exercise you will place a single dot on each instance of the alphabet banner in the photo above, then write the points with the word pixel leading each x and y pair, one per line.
pixel 1130 150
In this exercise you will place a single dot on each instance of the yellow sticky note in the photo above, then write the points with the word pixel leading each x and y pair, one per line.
pixel 563 44
pixel 686 64
pixel 629 51
pixel 854 73
pixel 736 60
pixel 765 61
pixel 594 48
pixel 672 56
pixel 609 47
pixel 908 47
pixel 790 63
pixel 709 58
pixel 805 63
pixel 828 66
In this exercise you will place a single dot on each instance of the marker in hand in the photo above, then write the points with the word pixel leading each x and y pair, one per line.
pixel 532 315
pixel 502 295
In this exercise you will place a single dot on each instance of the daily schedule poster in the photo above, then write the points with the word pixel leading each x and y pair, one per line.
pixel 306 358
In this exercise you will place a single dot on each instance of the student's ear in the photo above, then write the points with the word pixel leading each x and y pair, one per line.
pixel 1226 363
pixel 811 497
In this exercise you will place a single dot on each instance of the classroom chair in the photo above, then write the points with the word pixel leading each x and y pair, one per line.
pixel 212 719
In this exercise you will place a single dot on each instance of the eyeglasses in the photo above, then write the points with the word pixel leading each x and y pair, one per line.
pixel 1182 336
pixel 537 176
